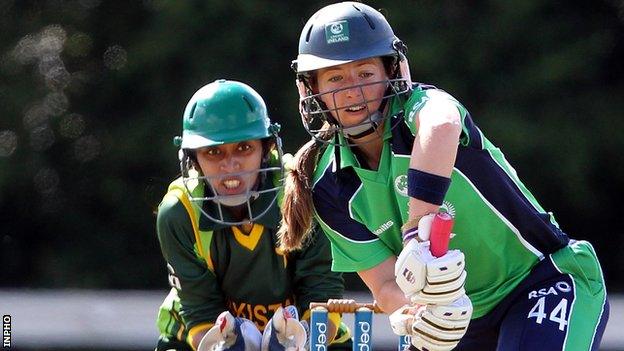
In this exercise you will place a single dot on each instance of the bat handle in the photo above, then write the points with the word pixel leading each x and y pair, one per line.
pixel 440 233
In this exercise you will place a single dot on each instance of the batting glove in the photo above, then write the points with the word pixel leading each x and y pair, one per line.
pixel 433 327
pixel 426 279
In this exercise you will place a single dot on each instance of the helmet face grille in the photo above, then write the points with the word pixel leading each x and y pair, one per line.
pixel 253 203
pixel 319 120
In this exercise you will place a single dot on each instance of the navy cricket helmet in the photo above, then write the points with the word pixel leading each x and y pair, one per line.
pixel 341 33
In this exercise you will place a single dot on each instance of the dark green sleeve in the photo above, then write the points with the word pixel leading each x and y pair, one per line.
pixel 201 299
pixel 314 281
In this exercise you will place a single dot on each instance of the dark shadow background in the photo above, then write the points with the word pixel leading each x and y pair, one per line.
pixel 92 92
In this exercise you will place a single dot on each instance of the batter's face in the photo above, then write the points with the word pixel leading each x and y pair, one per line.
pixel 231 169
pixel 354 90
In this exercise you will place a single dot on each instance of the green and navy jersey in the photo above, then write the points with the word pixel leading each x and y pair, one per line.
pixel 222 268
pixel 499 225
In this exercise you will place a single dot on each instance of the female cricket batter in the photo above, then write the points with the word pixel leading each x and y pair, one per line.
pixel 388 153
pixel 217 231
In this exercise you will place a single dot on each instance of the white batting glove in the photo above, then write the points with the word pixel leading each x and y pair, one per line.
pixel 284 331
pixel 230 333
pixel 433 327
pixel 426 279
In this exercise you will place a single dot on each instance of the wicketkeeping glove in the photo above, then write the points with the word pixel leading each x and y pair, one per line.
pixel 285 332
pixel 230 333
pixel 433 327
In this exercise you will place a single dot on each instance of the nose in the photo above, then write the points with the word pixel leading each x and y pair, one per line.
pixel 352 89
pixel 230 164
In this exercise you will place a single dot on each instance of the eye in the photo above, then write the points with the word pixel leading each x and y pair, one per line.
pixel 334 79
pixel 213 151
pixel 244 147
pixel 366 74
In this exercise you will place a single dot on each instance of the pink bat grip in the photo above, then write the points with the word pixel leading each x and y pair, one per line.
pixel 440 233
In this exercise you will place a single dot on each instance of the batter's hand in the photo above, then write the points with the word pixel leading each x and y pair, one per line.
pixel 433 327
pixel 426 279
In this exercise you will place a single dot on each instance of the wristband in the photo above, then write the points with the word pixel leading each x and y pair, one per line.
pixel 427 187
pixel 410 229
pixel 410 234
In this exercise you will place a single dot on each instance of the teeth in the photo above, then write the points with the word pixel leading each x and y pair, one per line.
pixel 232 183
pixel 356 108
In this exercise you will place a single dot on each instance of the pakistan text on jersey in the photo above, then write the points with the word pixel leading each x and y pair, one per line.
pixel 259 314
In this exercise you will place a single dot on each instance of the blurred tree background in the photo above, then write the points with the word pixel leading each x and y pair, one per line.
pixel 92 92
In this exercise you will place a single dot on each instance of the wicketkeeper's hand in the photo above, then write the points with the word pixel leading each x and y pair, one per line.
pixel 231 333
pixel 433 327
pixel 285 332
pixel 426 279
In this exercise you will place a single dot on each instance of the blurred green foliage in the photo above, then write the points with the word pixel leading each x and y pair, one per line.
pixel 92 92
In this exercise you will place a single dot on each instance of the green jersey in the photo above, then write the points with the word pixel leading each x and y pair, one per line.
pixel 499 225
pixel 215 267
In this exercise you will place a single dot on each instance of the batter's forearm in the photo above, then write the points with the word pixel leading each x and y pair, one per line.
pixel 390 298
pixel 435 146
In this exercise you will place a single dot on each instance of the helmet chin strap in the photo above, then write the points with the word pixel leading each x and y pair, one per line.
pixel 239 199
pixel 235 200
pixel 364 129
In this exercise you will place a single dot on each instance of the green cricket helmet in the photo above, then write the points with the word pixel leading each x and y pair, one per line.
pixel 224 112
pixel 342 33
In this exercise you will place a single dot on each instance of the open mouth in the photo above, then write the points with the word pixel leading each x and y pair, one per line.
pixel 356 108
pixel 232 186
pixel 231 183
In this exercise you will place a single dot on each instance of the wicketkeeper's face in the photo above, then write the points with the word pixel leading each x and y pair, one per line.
pixel 231 169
